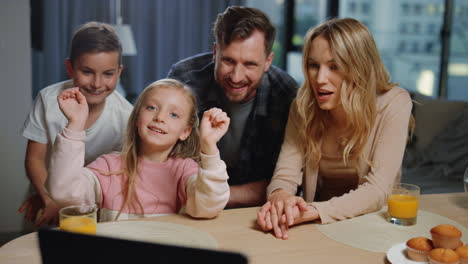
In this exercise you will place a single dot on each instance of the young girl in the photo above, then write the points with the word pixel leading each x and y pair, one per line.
pixel 155 173
pixel 346 132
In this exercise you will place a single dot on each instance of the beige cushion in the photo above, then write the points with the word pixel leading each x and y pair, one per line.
pixel 432 116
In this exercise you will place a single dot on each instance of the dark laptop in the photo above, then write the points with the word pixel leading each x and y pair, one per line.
pixel 63 247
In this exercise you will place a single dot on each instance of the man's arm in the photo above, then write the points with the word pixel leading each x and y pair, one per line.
pixel 38 208
pixel 249 194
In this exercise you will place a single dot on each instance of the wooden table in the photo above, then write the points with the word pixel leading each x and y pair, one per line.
pixel 235 230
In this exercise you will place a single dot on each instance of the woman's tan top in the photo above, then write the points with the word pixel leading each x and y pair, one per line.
pixel 336 177
pixel 385 148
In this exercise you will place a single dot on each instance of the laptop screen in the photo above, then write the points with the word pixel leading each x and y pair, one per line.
pixel 63 247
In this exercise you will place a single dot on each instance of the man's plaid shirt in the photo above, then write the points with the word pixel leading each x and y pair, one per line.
pixel 264 129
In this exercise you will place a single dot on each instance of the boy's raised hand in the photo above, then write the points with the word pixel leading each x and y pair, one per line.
pixel 74 106
pixel 214 125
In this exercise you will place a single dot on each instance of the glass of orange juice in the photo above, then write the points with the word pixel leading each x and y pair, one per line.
pixel 79 219
pixel 403 204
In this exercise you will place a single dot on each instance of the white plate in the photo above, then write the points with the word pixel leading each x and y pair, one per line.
pixel 397 255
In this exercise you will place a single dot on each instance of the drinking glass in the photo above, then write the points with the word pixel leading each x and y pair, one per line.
pixel 79 219
pixel 465 180
pixel 403 204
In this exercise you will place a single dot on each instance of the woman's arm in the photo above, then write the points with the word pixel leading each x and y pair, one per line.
pixel 289 167
pixel 390 142
pixel 287 177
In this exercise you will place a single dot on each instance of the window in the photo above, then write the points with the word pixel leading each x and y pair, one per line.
pixel 417 9
pixel 402 46
pixel 366 8
pixel 305 14
pixel 431 29
pixel 458 59
pixel 458 11
pixel 405 9
pixel 275 11
pixel 352 7
pixel 440 9
pixel 416 28
pixel 431 9
pixel 403 28
pixel 407 55
pixel 365 22
pixel 415 47
pixel 429 47
pixel 412 60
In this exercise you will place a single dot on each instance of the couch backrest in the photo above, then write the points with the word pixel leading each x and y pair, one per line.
pixel 432 116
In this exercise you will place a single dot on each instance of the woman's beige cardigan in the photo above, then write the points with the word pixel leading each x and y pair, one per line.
pixel 385 148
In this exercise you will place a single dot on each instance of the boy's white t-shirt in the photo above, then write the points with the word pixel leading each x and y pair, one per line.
pixel 46 120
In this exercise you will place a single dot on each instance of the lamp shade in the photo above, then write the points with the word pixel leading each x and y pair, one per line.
pixel 124 32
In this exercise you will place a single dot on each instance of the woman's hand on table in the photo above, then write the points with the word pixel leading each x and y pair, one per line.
pixel 283 202
pixel 281 211
pixel 281 231
pixel 280 227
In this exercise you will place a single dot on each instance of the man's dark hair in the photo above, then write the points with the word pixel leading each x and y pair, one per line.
pixel 94 37
pixel 240 22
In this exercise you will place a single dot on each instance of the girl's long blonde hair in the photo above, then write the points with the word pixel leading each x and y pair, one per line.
pixel 356 55
pixel 189 148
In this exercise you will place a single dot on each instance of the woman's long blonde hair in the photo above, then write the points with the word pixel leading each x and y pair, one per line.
pixel 355 53
pixel 189 148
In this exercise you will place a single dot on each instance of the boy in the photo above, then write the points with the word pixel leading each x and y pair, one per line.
pixel 94 66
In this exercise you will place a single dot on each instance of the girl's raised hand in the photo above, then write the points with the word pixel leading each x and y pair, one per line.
pixel 74 106
pixel 214 125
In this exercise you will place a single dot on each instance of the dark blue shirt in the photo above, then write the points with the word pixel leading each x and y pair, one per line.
pixel 264 129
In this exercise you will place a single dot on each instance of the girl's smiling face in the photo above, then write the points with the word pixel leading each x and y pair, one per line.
pixel 163 119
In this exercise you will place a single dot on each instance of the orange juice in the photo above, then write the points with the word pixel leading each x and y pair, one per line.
pixel 403 206
pixel 78 224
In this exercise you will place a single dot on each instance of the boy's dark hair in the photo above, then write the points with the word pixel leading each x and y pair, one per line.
pixel 240 22
pixel 94 37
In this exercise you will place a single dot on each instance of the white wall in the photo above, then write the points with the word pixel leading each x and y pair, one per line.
pixel 15 101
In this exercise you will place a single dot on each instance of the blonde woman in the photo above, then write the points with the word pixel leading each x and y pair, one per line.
pixel 345 136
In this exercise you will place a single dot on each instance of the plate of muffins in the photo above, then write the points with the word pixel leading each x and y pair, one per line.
pixel 445 247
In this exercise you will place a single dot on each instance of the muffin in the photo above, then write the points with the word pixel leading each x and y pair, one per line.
pixel 463 254
pixel 443 256
pixel 446 236
pixel 418 248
